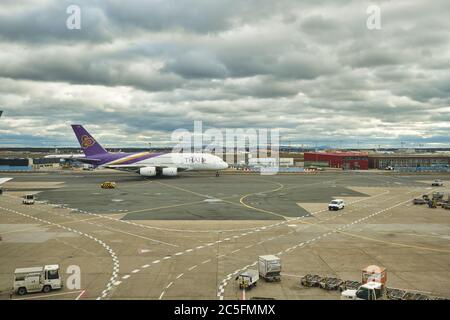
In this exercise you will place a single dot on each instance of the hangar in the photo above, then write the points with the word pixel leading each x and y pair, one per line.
pixel 344 160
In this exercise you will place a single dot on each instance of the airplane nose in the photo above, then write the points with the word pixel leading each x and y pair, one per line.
pixel 224 165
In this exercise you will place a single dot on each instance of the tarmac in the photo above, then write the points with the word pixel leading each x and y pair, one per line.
pixel 188 237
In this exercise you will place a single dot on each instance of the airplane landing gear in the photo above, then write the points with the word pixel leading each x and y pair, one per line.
pixel 217 173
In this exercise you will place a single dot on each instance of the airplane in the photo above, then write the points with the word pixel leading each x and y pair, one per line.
pixel 144 163
pixel 3 180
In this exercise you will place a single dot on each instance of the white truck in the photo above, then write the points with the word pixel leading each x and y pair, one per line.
pixel 269 267
pixel 369 291
pixel 336 204
pixel 28 199
pixel 37 279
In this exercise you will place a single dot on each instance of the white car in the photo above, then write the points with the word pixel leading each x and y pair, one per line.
pixel 336 204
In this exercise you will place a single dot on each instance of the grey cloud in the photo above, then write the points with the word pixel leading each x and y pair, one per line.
pixel 145 68
pixel 195 64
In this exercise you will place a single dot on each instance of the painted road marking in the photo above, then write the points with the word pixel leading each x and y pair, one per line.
pixel 51 295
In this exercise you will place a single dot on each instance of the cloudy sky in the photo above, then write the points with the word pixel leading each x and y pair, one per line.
pixel 137 70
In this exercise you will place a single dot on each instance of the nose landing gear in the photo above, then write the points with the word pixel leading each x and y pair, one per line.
pixel 217 173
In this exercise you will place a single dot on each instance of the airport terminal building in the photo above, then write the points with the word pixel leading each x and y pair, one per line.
pixel 381 161
pixel 364 161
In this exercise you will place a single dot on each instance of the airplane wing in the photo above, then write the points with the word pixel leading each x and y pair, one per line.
pixel 131 167
pixel 136 167
pixel 65 156
pixel 3 180
pixel 125 166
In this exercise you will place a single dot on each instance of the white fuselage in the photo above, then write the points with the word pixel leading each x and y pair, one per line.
pixel 184 161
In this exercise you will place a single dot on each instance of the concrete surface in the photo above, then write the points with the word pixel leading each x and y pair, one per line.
pixel 188 237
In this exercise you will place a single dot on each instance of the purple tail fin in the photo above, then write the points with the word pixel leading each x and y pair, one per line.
pixel 87 142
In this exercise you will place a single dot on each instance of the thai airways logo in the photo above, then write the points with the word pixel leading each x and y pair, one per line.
pixel 87 141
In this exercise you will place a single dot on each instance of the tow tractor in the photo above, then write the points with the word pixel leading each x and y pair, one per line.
pixel 37 279
pixel 28 199
pixel 108 185
pixel 248 279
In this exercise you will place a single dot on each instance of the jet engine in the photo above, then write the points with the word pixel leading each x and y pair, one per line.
pixel 169 172
pixel 147 171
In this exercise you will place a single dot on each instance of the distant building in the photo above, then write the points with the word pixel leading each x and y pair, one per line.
pixel 381 161
pixel 271 162
pixel 344 160
pixel 46 163
pixel 15 164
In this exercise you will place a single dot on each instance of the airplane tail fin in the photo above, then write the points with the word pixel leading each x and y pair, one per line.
pixel 89 145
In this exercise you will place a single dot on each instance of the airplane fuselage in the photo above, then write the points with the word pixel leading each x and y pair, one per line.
pixel 183 161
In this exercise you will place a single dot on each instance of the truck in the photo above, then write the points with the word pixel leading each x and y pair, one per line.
pixel 37 279
pixel 373 285
pixel 269 267
pixel 437 183
pixel 28 199
pixel 368 291
pixel 336 204
pixel 248 279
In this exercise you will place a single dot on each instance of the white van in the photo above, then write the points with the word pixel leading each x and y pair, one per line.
pixel 336 204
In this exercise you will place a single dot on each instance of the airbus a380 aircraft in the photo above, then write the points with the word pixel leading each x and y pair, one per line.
pixel 145 163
